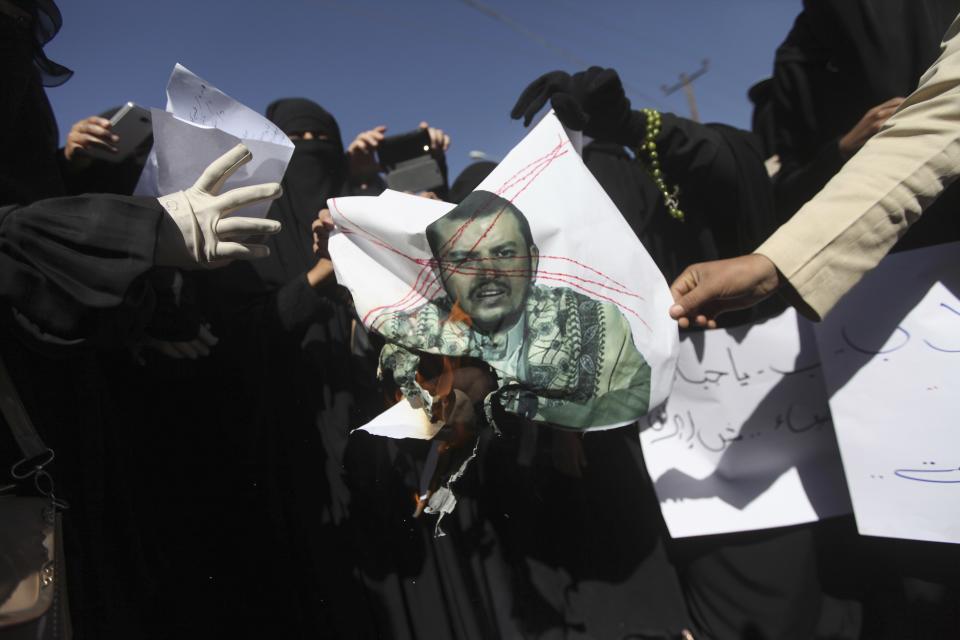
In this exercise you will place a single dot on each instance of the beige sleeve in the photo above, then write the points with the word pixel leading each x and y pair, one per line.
pixel 847 228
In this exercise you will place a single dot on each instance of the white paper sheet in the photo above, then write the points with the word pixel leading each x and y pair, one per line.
pixel 381 252
pixel 402 421
pixel 891 357
pixel 195 100
pixel 199 125
pixel 745 440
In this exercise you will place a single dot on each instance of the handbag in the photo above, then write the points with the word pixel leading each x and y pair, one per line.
pixel 33 595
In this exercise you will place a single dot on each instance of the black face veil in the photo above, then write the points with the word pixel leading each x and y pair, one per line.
pixel 317 171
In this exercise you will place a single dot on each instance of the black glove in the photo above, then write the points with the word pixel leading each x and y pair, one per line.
pixel 537 93
pixel 592 101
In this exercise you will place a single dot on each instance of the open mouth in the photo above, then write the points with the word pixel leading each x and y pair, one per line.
pixel 490 290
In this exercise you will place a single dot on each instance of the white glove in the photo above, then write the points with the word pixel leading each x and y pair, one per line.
pixel 201 234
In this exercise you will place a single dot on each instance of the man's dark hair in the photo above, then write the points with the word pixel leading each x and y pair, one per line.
pixel 479 204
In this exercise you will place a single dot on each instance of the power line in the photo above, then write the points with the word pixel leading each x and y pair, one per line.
pixel 515 26
pixel 489 11
pixel 371 14
pixel 595 18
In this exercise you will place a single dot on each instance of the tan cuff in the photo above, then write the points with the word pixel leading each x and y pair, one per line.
pixel 782 249
pixel 180 243
pixel 810 300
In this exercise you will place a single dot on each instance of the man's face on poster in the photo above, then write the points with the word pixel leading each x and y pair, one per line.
pixel 487 269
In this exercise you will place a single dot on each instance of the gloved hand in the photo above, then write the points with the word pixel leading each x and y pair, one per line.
pixel 592 101
pixel 201 233
pixel 537 93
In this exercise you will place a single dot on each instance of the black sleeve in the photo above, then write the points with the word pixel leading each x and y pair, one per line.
pixel 239 303
pixel 725 192
pixel 810 111
pixel 723 181
pixel 696 157
pixel 797 182
pixel 74 267
pixel 722 178
pixel 298 304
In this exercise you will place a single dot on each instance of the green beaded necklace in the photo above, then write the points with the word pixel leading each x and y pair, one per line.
pixel 649 146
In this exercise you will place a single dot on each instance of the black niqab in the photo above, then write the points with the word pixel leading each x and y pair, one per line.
pixel 29 163
pixel 276 285
pixel 45 21
pixel 317 171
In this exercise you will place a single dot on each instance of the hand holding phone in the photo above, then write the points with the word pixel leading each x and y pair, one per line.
pixel 414 161
pixel 362 153
pixel 127 130
pixel 87 133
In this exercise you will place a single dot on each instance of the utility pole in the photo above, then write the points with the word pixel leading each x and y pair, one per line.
pixel 686 83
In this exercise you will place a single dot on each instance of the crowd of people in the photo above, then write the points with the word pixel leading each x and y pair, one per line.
pixel 199 375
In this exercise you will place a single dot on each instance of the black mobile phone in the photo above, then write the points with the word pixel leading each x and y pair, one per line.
pixel 409 164
pixel 132 123
pixel 404 146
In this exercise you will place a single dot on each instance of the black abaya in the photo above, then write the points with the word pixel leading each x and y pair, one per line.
pixel 753 585
pixel 288 388
pixel 72 274
pixel 840 59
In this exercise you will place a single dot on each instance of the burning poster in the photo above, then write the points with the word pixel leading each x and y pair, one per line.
pixel 531 299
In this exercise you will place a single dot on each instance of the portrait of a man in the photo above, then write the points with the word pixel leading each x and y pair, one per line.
pixel 560 356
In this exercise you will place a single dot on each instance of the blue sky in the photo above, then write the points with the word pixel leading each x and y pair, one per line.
pixel 395 63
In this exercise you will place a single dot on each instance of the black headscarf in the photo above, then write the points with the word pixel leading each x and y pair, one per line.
pixel 469 179
pixel 29 164
pixel 317 171
pixel 44 21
